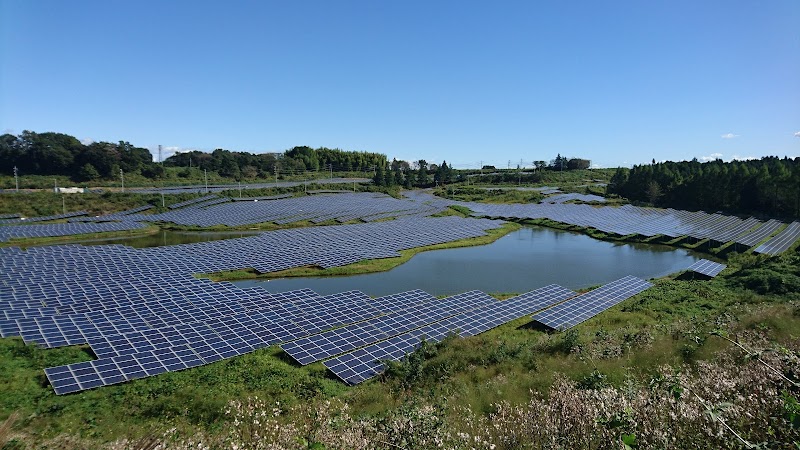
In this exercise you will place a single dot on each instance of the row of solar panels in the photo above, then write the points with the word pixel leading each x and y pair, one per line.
pixel 625 220
pixel 159 334
pixel 9 232
pixel 16 218
pixel 197 189
pixel 398 326
pixel 630 220
pixel 342 208
pixel 59 276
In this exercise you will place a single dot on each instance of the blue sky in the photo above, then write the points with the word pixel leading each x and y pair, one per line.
pixel 617 82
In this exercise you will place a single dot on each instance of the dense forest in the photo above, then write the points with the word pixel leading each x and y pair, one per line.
pixel 766 186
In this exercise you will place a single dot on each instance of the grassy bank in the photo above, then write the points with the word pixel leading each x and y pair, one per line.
pixel 367 266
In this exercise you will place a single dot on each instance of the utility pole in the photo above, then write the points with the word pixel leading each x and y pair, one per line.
pixel 240 189
pixel 162 200
pixel 122 180
pixel 63 205
pixel 16 178
pixel 55 185
pixel 205 174
pixel 276 175
pixel 161 161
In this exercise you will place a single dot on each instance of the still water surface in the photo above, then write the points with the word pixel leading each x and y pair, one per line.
pixel 521 261
pixel 164 238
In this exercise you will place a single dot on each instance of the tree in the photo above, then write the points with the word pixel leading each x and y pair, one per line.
pixel 443 173
pixel 578 164
pixel 560 163
pixel 379 179
pixel 397 173
pixel 88 173
pixel 153 171
pixel 653 192
pixel 422 173
pixel 249 172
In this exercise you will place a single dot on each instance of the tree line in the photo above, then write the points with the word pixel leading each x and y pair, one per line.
pixel 62 154
pixel 296 160
pixel 768 186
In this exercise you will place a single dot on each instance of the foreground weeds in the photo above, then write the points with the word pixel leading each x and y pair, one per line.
pixel 745 397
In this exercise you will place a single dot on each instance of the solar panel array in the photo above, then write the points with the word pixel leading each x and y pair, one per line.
pixel 20 219
pixel 706 267
pixel 633 220
pixel 192 201
pixel 316 208
pixel 366 362
pixel 782 241
pixel 273 319
pixel 74 278
pixel 369 207
pixel 9 232
pixel 563 198
pixel 588 305
pixel 201 189
pixel 142 313
pixel 321 346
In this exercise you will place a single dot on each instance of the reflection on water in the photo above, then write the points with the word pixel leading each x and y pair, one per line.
pixel 521 261
pixel 165 237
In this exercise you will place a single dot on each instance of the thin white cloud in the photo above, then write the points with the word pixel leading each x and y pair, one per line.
pixel 597 166
pixel 87 141
pixel 743 158
pixel 729 136
pixel 797 134
pixel 711 157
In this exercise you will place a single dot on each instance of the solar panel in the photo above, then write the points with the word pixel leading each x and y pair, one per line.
pixel 706 267
pixel 586 306
pixel 781 242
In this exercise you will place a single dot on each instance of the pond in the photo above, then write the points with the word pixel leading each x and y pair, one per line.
pixel 521 261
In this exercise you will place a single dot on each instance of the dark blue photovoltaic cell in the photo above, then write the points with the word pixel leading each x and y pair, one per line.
pixel 706 267
pixel 586 306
